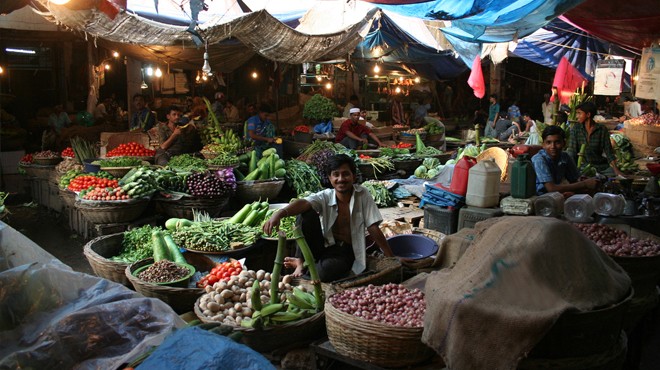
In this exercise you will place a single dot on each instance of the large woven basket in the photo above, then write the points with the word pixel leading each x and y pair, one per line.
pixel 380 270
pixel 249 191
pixel 42 172
pixel 183 208
pixel 180 299
pixel 99 250
pixel 47 161
pixel 293 334
pixel 68 197
pixel 409 165
pixel 111 212
pixel 374 342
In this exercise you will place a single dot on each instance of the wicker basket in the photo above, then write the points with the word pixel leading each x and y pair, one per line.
pixel 374 342
pixel 111 212
pixel 209 155
pixel 180 299
pixel 293 148
pixel 47 161
pixel 296 333
pixel 250 191
pixel 98 251
pixel 380 270
pixel 117 172
pixel 68 197
pixel 409 165
pixel 41 172
pixel 183 208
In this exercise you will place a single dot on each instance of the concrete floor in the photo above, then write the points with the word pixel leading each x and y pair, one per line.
pixel 49 230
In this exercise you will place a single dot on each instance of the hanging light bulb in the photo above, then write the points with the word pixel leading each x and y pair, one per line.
pixel 328 86
pixel 401 79
pixel 150 71
pixel 199 77
pixel 254 75
pixel 376 68
pixel 204 77
pixel 107 67
pixel 158 72
pixel 417 80
pixel 206 68
pixel 318 78
pixel 2 70
pixel 397 90
pixel 144 85
pixel 115 54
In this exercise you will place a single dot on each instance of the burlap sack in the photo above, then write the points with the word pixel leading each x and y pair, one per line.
pixel 509 288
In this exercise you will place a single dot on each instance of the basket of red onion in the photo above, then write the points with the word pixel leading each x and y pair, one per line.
pixel 382 325
pixel 637 252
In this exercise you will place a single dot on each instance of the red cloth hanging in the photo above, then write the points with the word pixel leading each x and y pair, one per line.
pixel 476 79
pixel 567 79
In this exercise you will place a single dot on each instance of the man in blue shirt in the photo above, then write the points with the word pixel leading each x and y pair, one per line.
pixel 262 131
pixel 143 119
pixel 555 169
pixel 493 115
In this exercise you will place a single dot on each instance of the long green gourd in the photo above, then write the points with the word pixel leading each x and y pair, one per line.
pixel 311 266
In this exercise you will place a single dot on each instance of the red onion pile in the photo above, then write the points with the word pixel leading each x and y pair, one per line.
pixel 616 242
pixel 391 304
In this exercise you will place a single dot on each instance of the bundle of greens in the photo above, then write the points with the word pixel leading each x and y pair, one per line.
pixel 136 245
pixel 187 163
pixel 302 177
pixel 379 192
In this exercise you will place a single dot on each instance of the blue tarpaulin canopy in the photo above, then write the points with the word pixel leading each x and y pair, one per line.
pixel 559 39
pixel 389 43
pixel 486 21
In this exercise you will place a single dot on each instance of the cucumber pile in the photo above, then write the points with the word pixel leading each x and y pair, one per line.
pixel 139 182
pixel 269 166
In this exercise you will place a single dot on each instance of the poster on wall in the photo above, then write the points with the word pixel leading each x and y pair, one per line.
pixel 609 77
pixel 648 82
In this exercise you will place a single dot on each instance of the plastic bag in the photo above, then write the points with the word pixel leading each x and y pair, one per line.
pixel 52 317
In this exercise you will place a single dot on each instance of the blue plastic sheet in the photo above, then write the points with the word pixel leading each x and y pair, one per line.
pixel 442 198
pixel 195 348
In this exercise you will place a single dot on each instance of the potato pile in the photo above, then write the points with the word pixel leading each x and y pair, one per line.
pixel 228 302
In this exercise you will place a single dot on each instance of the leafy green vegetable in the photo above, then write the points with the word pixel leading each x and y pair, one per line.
pixel 187 163
pixel 136 244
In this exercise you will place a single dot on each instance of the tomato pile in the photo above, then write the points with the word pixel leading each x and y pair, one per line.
pixel 131 149
pixel 402 145
pixel 221 272
pixel 68 153
pixel 364 156
pixel 81 183
pixel 108 193
pixel 27 159
pixel 301 128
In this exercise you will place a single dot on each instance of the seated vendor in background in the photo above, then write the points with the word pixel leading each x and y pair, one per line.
pixel 262 131
pixel 505 128
pixel 353 134
pixel 555 169
pixel 337 237
pixel 143 118
pixel 177 137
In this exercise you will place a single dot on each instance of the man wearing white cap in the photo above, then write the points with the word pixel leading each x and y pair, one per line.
pixel 218 106
pixel 352 134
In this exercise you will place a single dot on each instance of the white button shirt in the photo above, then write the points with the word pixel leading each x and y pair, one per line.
pixel 363 213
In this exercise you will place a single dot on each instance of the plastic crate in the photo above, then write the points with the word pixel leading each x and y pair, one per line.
pixel 469 216
pixel 444 220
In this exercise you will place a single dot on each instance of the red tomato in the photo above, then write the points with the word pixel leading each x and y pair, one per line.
pixel 212 279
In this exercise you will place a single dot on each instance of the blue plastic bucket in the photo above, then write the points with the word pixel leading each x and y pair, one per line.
pixel 89 167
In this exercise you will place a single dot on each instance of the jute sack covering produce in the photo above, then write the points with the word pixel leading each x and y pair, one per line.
pixel 509 288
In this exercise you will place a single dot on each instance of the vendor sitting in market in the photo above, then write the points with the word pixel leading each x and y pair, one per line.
pixel 143 118
pixel 178 136
pixel 262 131
pixel 353 134
pixel 555 169
pixel 337 237
pixel 595 137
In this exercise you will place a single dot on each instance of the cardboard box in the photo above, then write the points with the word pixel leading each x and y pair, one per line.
pixel 642 134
